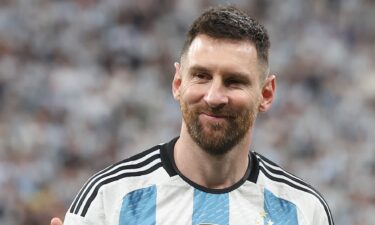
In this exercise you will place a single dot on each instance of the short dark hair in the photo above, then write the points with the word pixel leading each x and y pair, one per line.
pixel 228 22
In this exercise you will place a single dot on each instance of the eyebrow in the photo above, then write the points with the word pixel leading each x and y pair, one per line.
pixel 235 74
pixel 195 69
pixel 198 68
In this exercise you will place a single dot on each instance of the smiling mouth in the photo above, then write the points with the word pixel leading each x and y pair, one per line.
pixel 216 116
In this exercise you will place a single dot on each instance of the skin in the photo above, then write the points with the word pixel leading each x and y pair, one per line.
pixel 56 221
pixel 231 80
pixel 217 73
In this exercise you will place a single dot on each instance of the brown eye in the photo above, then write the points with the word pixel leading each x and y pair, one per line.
pixel 202 76
pixel 237 81
pixel 233 82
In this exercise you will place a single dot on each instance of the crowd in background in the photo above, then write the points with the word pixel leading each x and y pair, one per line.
pixel 86 83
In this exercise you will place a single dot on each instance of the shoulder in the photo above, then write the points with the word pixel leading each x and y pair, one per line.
pixel 292 188
pixel 137 167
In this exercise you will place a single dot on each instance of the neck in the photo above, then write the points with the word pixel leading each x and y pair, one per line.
pixel 207 170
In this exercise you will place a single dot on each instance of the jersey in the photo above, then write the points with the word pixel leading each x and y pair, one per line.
pixel 148 189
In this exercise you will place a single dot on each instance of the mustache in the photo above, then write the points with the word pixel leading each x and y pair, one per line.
pixel 219 112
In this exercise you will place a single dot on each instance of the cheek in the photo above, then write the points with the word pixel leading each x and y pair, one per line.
pixel 254 97
pixel 192 94
pixel 246 101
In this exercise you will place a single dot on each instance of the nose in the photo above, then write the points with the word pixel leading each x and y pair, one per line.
pixel 216 95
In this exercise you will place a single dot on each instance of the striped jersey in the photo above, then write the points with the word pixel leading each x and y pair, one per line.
pixel 148 189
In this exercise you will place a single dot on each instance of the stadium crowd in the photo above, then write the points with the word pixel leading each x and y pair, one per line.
pixel 85 83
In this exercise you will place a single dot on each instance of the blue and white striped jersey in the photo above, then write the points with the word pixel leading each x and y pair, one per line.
pixel 148 189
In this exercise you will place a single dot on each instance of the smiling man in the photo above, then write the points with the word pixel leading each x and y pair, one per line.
pixel 221 87
pixel 207 175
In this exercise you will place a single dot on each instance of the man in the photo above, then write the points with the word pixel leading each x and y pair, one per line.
pixel 207 175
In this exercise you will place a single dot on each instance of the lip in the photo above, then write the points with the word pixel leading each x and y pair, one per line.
pixel 213 117
pixel 216 115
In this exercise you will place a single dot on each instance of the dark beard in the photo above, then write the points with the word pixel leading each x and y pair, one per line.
pixel 220 137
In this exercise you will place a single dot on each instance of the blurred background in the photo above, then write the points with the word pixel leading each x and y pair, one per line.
pixel 85 83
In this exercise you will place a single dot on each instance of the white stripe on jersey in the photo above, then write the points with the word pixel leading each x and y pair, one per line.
pixel 176 196
pixel 249 196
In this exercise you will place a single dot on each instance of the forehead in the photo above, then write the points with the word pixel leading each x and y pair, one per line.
pixel 227 54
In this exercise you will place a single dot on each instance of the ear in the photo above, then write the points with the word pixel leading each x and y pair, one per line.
pixel 268 93
pixel 176 83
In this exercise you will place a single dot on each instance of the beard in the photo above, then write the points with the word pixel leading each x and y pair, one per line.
pixel 218 138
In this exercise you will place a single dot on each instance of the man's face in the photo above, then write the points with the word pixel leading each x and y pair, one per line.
pixel 219 89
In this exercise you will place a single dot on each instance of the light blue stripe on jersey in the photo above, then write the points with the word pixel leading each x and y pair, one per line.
pixel 210 208
pixel 279 211
pixel 139 207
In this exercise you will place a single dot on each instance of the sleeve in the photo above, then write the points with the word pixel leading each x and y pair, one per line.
pixel 322 214
pixel 71 218
pixel 86 212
